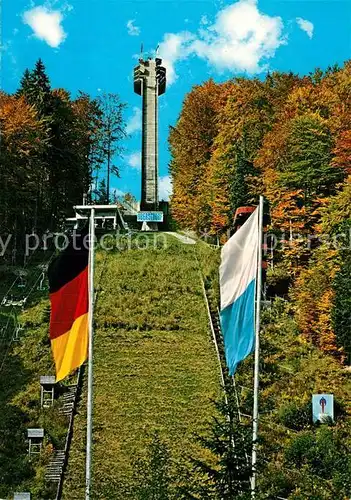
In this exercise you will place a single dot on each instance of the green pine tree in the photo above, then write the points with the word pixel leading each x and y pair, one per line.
pixel 35 86
pixel 240 193
pixel 153 476
pixel 230 442
pixel 40 76
pixel 26 83
pixel 243 167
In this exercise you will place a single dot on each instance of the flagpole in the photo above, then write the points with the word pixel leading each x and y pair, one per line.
pixel 257 351
pixel 90 357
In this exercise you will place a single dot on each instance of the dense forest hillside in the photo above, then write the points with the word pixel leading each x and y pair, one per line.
pixel 52 149
pixel 288 138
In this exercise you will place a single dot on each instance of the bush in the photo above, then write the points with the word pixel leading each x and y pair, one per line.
pixel 298 452
pixel 324 454
pixel 296 417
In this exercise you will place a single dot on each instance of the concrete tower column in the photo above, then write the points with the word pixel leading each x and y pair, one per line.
pixel 149 83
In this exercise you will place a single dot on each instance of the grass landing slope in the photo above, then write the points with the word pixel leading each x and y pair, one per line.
pixel 155 367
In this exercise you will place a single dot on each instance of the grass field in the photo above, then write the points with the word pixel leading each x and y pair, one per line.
pixel 155 365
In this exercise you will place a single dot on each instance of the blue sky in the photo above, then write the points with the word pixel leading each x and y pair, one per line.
pixel 92 46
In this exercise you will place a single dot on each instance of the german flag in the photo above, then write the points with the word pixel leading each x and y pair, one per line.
pixel 69 297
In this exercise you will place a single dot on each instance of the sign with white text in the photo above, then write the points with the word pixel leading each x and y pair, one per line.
pixel 150 217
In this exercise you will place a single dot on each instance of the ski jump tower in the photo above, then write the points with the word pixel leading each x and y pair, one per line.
pixel 149 83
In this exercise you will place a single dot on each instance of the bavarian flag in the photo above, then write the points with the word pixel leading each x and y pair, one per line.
pixel 68 288
pixel 238 282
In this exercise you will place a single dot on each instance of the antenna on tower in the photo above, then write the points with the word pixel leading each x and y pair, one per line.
pixel 141 50
pixel 157 49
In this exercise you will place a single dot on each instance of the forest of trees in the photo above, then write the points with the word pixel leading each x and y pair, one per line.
pixel 288 138
pixel 53 150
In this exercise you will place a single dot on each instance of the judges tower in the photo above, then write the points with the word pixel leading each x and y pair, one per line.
pixel 149 83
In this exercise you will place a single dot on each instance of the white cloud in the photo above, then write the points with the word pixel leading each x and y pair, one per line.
pixel 134 122
pixel 132 29
pixel 240 40
pixel 306 26
pixel 134 160
pixel 164 187
pixel 175 46
pixel 46 24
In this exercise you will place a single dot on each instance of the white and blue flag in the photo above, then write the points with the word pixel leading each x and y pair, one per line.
pixel 238 275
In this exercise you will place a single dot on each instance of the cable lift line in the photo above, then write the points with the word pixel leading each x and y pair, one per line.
pixel 14 304
pixel 21 270
pixel 22 274
pixel 16 335
pixel 41 284
pixel 4 329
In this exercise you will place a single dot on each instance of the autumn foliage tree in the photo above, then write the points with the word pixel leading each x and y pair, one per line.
pixel 51 147
pixel 191 143
pixel 24 138
pixel 289 139
pixel 322 290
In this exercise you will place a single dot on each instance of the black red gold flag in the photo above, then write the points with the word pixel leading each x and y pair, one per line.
pixel 69 297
